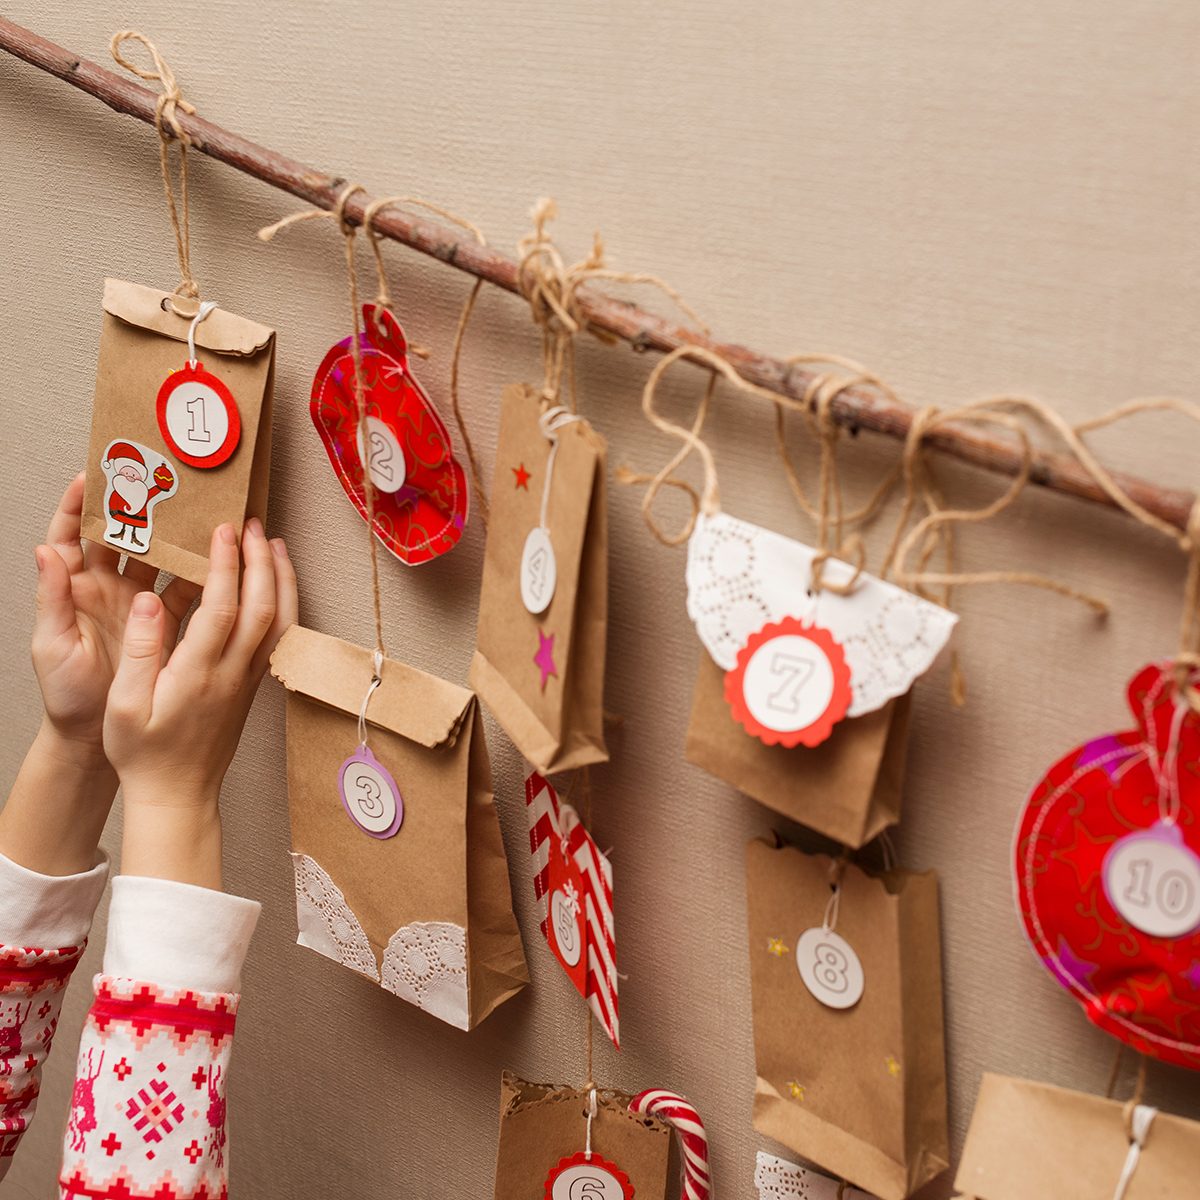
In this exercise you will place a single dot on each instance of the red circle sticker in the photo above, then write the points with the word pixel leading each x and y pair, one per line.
pixel 197 417
pixel 791 684
pixel 586 1176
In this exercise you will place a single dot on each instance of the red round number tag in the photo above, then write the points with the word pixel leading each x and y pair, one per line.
pixel 197 417
pixel 586 1176
pixel 791 684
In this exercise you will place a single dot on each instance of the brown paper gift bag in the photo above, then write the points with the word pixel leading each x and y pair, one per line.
pixel 141 342
pixel 543 676
pixel 541 1124
pixel 848 788
pixel 859 1091
pixel 427 913
pixel 1033 1141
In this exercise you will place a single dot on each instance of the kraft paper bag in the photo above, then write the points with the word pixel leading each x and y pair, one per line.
pixel 859 1091
pixel 541 1124
pixel 141 343
pixel 847 788
pixel 543 676
pixel 426 913
pixel 1033 1141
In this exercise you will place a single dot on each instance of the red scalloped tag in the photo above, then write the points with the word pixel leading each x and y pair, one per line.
pixel 198 417
pixel 1109 891
pixel 791 684
pixel 587 1177
pixel 421 494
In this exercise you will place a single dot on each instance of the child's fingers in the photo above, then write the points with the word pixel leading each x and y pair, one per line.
pixel 287 604
pixel 63 533
pixel 178 596
pixel 98 557
pixel 131 697
pixel 256 613
pixel 55 605
pixel 214 619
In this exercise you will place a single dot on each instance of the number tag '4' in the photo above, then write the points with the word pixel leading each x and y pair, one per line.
pixel 197 417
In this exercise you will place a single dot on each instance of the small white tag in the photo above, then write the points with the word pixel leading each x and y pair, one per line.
pixel 788 683
pixel 1153 880
pixel 830 968
pixel 539 572
pixel 370 795
pixel 386 459
pixel 564 920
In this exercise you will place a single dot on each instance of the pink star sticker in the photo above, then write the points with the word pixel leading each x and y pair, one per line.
pixel 544 658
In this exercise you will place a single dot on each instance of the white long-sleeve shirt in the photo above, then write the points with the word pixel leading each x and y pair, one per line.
pixel 148 1119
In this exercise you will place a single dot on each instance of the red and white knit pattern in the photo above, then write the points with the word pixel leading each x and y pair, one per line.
pixel 33 981
pixel 674 1109
pixel 148 1111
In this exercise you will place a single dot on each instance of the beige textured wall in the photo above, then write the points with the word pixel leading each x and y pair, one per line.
pixel 969 197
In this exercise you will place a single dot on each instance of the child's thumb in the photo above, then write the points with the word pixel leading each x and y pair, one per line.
pixel 132 692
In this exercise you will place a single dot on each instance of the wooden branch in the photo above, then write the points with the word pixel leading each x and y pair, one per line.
pixel 854 409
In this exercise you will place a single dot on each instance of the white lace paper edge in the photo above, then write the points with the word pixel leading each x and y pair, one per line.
pixel 450 1004
pixel 941 620
pixel 777 1179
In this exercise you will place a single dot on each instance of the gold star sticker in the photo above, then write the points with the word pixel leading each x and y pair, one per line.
pixel 776 947
pixel 892 1065
pixel 795 1090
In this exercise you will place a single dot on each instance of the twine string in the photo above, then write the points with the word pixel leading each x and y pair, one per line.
pixel 347 229
pixel 168 105
pixel 383 298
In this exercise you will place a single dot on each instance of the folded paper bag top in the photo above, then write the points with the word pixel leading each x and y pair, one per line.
pixel 1035 1141
pixel 418 706
pixel 143 342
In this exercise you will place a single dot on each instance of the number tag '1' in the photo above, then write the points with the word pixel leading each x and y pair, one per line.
pixel 586 1176
pixel 1153 880
pixel 197 417
pixel 830 969
pixel 370 795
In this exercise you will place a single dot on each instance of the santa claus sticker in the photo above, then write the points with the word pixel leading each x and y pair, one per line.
pixel 136 480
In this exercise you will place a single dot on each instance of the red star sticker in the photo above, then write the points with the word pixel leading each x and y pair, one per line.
pixel 522 477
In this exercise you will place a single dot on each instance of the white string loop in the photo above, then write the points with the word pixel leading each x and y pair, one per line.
pixel 376 680
pixel 591 1116
pixel 550 422
pixel 206 306
pixel 1143 1118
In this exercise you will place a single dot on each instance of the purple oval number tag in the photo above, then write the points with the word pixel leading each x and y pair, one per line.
pixel 370 795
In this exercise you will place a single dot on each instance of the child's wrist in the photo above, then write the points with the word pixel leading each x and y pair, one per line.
pixel 72 751
pixel 172 841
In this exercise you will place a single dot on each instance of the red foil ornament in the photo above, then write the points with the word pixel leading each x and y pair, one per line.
pixel 421 494
pixel 1080 876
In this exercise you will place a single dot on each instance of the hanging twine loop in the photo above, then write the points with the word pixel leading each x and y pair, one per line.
pixel 348 231
pixel 169 104
pixel 383 299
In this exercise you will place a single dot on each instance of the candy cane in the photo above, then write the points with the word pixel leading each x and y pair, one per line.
pixel 678 1112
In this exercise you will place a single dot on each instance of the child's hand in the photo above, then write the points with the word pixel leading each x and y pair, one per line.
pixel 82 604
pixel 171 728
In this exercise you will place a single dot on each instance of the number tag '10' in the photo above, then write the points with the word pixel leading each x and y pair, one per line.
pixel 1153 880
